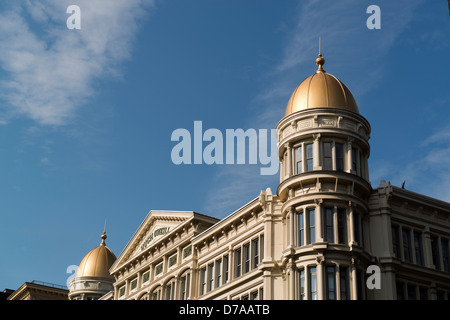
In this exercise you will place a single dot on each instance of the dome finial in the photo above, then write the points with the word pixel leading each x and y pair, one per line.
pixel 320 61
pixel 103 236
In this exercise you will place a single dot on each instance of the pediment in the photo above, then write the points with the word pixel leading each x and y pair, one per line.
pixel 155 227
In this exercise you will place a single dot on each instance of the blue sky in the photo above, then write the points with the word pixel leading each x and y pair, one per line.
pixel 86 116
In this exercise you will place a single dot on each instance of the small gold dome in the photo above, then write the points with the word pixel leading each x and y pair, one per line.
pixel 97 262
pixel 321 90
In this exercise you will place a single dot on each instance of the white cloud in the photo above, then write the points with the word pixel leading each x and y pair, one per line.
pixel 50 70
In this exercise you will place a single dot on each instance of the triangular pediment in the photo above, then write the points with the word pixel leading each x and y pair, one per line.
pixel 154 228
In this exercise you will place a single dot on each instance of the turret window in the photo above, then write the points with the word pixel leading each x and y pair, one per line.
pixel 309 157
pixel 339 156
pixel 299 159
pixel 327 156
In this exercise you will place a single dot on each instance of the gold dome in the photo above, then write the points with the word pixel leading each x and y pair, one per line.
pixel 321 90
pixel 97 262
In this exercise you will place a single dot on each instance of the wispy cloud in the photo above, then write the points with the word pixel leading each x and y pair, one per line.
pixel 51 71
pixel 428 173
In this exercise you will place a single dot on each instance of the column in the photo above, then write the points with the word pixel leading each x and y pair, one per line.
pixel 316 152
pixel 350 156
pixel 292 227
pixel 353 282
pixel 318 222
pixel 289 160
pixel 351 224
pixel 292 280
pixel 320 282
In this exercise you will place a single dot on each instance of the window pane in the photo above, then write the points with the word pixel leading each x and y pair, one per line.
pixel 339 157
pixel 309 157
pixel 301 230
pixel 344 283
pixel 418 248
pixel 354 157
pixel 435 252
pixel 225 269
pixel 312 283
pixel 312 229
pixel 356 227
pixel 246 258
pixel 445 255
pixel 395 240
pixel 329 224
pixel 298 159
pixel 331 283
pixel 237 262
pixel 255 253
pixel 302 284
pixel 327 159
pixel 342 225
pixel 406 245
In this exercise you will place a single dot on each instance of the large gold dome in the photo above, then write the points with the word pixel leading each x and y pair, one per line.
pixel 321 90
pixel 97 262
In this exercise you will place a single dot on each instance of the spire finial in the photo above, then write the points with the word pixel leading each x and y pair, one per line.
pixel 103 236
pixel 320 61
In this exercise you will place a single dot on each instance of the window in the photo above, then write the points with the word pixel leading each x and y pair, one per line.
pixel 312 283
pixel 158 268
pixel 423 293
pixel 210 277
pixel 406 245
pixel 357 232
pixel 411 292
pixel 218 273
pixel 360 286
pixel 339 156
pixel 187 251
pixel 418 250
pixel 246 258
pixel 354 164
pixel 254 295
pixel 445 255
pixel 133 284
pixel 225 269
pixel 255 253
pixel 329 224
pixel 361 165
pixel 203 280
pixel 331 283
pixel 311 226
pixel 342 225
pixel 262 246
pixel 237 263
pixel 298 159
pixel 184 287
pixel 327 156
pixel 301 229
pixel 344 283
pixel 172 260
pixel 395 241
pixel 309 157
pixel 301 286
pixel 400 287
pixel 122 291
pixel 168 291
pixel 435 252
pixel 145 276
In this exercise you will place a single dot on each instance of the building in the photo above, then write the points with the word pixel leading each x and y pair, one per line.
pixel 322 235
pixel 37 290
